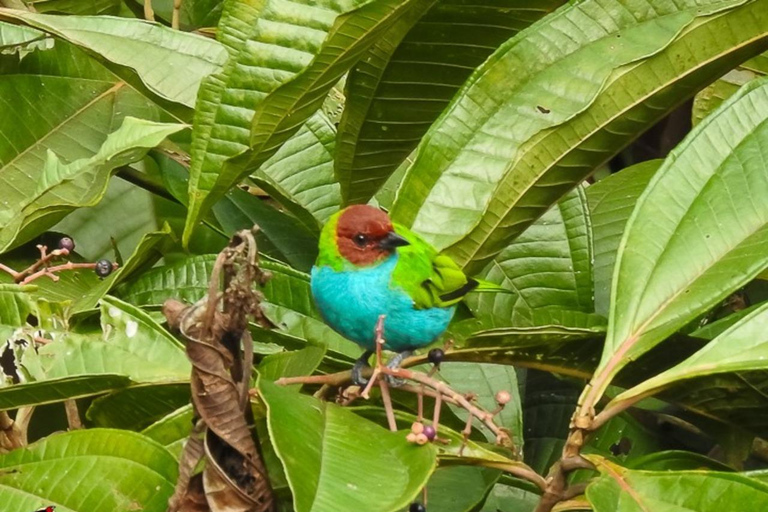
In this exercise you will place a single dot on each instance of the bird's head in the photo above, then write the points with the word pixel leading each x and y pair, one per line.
pixel 364 235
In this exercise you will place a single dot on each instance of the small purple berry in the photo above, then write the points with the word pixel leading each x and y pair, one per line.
pixel 429 431
pixel 103 268
pixel 436 356
pixel 417 507
pixel 67 243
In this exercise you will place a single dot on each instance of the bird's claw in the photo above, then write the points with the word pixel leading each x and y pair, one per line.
pixel 394 364
pixel 357 370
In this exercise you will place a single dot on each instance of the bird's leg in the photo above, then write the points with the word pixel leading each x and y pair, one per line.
pixel 357 370
pixel 394 364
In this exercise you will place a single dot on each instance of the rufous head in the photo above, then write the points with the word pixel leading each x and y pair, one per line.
pixel 365 235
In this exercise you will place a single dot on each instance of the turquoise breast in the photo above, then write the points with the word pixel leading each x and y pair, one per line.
pixel 351 302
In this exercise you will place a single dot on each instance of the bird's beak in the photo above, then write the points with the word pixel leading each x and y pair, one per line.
pixel 392 240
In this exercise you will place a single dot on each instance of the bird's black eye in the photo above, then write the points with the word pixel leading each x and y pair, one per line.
pixel 361 240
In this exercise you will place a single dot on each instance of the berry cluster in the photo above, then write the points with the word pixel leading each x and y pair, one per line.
pixel 421 434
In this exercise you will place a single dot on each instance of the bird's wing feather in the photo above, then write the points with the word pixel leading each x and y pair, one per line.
pixel 431 279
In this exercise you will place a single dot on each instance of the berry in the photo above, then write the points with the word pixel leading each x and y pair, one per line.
pixel 436 356
pixel 103 268
pixel 417 428
pixel 503 397
pixel 67 243
pixel 429 431
pixel 421 439
pixel 417 507
pixel 411 437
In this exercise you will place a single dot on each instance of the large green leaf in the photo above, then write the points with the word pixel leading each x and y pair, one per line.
pixel 611 201
pixel 408 78
pixel 712 96
pixel 88 470
pixel 673 266
pixel 136 407
pixel 292 241
pixel 186 58
pixel 555 102
pixel 622 490
pixel 63 102
pixel 742 347
pixel 336 460
pixel 15 304
pixel 60 187
pixel 22 40
pixel 123 216
pixel 549 265
pixel 484 381
pixel 77 6
pixel 132 348
pixel 459 488
pixel 302 171
pixel 283 61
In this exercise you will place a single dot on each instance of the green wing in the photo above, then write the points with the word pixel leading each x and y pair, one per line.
pixel 431 279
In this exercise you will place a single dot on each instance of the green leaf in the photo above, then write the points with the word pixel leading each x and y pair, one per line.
pixel 549 265
pixel 364 467
pixel 716 328
pixel 712 96
pixel 742 347
pixel 57 390
pixel 187 58
pixel 172 430
pixel 22 40
pixel 265 92
pixel 484 381
pixel 408 77
pixel 294 243
pixel 77 6
pixel 622 490
pixel 291 364
pixel 459 488
pixel 61 188
pixel 185 280
pixel 555 102
pixel 87 470
pixel 15 304
pixel 611 201
pixel 676 460
pixel 302 171
pixel 505 497
pixel 132 348
pixel 136 407
pixel 60 95
pixel 124 214
pixel 675 266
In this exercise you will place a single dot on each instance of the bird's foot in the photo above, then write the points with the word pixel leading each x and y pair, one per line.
pixel 357 369
pixel 394 364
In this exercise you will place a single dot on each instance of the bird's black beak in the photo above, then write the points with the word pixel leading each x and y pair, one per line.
pixel 392 240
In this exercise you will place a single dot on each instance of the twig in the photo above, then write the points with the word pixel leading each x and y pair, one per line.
pixel 445 392
pixel 73 415
pixel 176 13
pixel 11 431
pixel 51 271
pixel 43 261
pixel 149 13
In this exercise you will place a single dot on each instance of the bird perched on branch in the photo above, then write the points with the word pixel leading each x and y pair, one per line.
pixel 367 266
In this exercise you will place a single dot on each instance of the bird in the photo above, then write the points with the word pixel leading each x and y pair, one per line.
pixel 368 266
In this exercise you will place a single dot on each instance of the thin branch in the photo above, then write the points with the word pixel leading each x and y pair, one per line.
pixel 73 415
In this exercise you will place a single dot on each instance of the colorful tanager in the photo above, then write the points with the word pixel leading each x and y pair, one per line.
pixel 367 266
